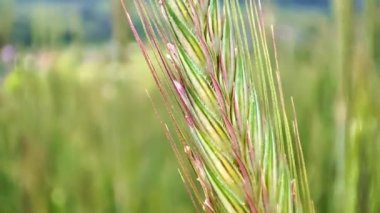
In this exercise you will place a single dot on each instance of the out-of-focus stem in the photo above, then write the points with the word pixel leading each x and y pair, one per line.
pixel 344 20
pixel 120 32
pixel 369 12
pixel 344 16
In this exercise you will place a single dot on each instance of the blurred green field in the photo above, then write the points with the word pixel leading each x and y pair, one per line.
pixel 333 73
pixel 78 133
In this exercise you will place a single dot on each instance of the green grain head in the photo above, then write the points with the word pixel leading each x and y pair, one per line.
pixel 212 63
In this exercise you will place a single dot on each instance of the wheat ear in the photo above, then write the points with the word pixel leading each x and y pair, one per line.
pixel 212 64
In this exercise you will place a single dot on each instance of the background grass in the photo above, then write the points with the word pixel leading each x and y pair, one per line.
pixel 79 134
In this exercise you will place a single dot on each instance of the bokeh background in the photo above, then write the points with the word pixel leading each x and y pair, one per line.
pixel 78 132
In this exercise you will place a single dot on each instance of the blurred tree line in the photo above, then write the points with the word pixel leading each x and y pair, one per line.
pixel 318 3
pixel 54 22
